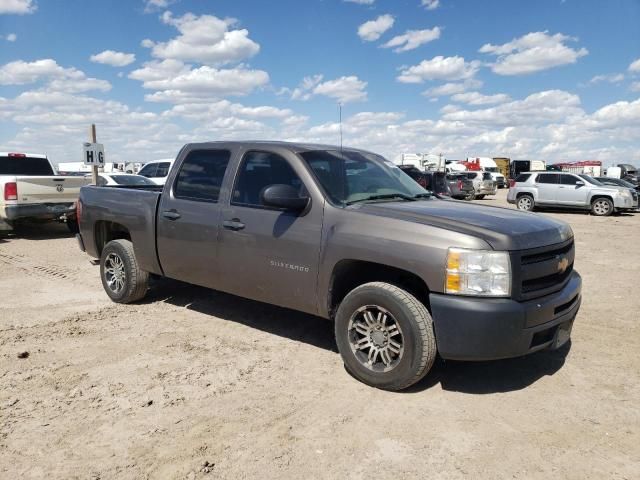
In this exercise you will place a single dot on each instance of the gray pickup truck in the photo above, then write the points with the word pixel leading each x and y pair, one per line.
pixel 346 235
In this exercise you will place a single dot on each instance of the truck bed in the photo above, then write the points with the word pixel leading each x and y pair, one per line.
pixel 134 208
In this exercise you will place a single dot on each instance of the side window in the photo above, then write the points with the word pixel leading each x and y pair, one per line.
pixel 258 171
pixel 101 181
pixel 163 169
pixel 523 177
pixel 568 179
pixel 201 174
pixel 547 178
pixel 148 170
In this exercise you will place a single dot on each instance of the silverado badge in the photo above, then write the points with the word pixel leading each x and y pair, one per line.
pixel 563 264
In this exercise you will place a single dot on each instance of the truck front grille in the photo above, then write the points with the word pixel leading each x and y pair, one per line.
pixel 542 271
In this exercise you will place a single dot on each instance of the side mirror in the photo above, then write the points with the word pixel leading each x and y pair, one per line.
pixel 579 183
pixel 284 196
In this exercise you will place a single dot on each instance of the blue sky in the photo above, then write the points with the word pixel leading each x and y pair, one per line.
pixel 551 79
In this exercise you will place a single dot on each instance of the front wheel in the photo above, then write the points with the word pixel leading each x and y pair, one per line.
pixel 526 203
pixel 385 336
pixel 602 207
pixel 122 278
pixel 470 196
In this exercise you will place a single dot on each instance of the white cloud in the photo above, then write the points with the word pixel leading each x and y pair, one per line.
pixel 115 59
pixel 304 91
pixel 18 7
pixel 177 82
pixel 343 89
pixel 532 53
pixel 59 78
pixel 373 29
pixel 610 78
pixel 412 39
pixel 452 88
pixel 635 66
pixel 361 2
pixel 430 4
pixel 155 5
pixel 635 87
pixel 11 37
pixel 439 68
pixel 476 98
pixel 204 39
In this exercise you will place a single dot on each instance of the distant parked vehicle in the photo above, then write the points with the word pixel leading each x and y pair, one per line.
pixel 566 190
pixel 434 181
pixel 157 170
pixel 122 179
pixel 519 166
pixel 489 165
pixel 482 183
pixel 461 187
pixel 618 182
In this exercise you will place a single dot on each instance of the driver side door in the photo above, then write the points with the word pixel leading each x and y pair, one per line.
pixel 266 253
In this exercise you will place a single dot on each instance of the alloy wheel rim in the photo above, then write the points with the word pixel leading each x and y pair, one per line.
pixel 375 338
pixel 114 273
pixel 525 203
pixel 601 207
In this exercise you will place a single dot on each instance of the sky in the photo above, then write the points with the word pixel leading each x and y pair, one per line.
pixel 556 80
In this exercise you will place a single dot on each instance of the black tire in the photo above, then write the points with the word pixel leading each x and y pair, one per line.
pixel 418 343
pixel 602 207
pixel 470 197
pixel 525 202
pixel 131 280
pixel 479 197
pixel 72 225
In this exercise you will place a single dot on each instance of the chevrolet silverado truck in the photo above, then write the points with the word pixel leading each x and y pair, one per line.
pixel 343 234
pixel 30 190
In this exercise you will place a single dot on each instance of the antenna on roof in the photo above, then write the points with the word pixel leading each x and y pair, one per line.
pixel 340 119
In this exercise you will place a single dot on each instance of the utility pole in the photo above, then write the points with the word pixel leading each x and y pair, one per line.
pixel 94 167
pixel 340 117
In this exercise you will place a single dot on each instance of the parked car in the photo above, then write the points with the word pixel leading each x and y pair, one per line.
pixel 156 170
pixel 482 183
pixel 122 179
pixel 343 234
pixel 489 165
pixel 30 190
pixel 433 181
pixel 567 190
pixel 618 182
pixel 461 186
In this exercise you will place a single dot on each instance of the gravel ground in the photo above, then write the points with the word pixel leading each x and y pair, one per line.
pixel 193 383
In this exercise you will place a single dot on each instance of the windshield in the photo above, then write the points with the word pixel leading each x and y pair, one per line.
pixel 27 166
pixel 350 176
pixel 131 180
pixel 591 180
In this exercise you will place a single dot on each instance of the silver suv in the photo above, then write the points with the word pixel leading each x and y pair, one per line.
pixel 568 190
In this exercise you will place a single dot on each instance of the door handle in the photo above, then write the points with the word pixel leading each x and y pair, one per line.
pixel 171 214
pixel 234 225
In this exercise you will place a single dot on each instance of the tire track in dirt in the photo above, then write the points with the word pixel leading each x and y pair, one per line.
pixel 32 268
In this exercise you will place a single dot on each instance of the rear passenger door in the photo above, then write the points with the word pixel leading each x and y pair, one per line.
pixel 547 185
pixel 570 193
pixel 266 253
pixel 189 218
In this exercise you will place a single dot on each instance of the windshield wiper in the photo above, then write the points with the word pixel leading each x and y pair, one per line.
pixel 401 196
pixel 423 195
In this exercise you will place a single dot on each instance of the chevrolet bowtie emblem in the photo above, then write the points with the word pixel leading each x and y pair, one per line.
pixel 563 264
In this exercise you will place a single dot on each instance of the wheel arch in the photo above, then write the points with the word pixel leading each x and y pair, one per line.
pixel 105 231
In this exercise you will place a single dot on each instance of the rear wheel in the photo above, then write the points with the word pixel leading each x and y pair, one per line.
pixel 479 197
pixel 470 196
pixel 385 336
pixel 525 202
pixel 602 207
pixel 72 225
pixel 122 278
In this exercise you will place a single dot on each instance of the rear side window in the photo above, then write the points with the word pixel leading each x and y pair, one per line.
pixel 201 174
pixel 547 178
pixel 568 179
pixel 27 166
pixel 523 177
pixel 258 171
pixel 149 170
pixel 487 176
pixel 163 169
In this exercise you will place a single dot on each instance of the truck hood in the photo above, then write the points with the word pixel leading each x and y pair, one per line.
pixel 502 228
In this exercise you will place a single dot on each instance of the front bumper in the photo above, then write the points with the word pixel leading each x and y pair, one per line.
pixel 39 210
pixel 624 203
pixel 471 328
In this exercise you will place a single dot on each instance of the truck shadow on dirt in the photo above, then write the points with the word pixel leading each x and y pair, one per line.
pixel 465 377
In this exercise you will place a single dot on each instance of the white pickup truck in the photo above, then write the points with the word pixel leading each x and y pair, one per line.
pixel 29 189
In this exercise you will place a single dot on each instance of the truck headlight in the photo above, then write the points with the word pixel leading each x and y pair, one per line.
pixel 484 273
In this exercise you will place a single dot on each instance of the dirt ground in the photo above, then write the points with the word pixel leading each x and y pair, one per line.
pixel 193 383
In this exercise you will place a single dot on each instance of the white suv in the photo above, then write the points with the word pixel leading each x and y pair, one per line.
pixel 568 190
